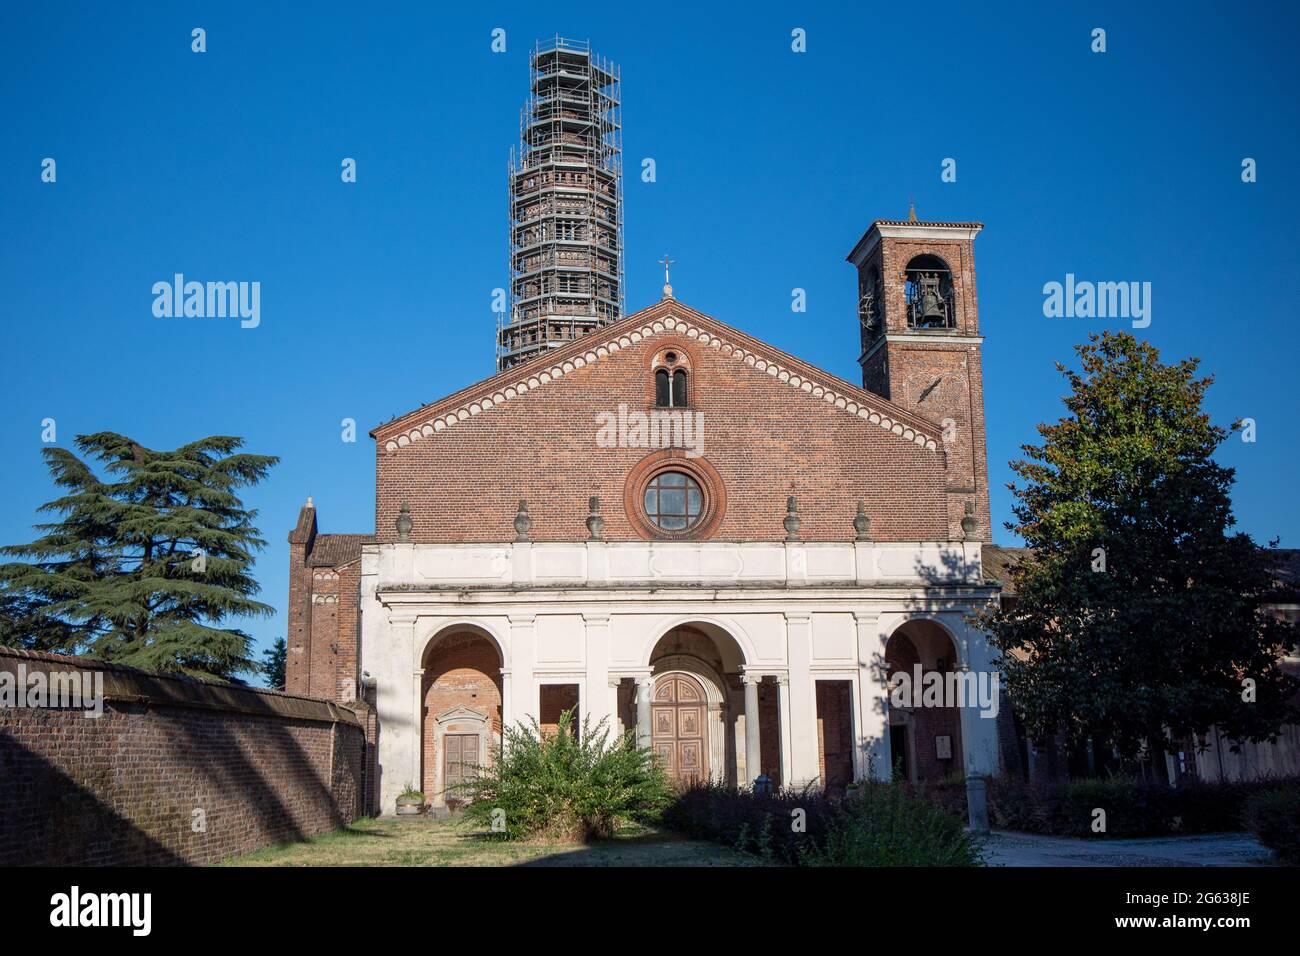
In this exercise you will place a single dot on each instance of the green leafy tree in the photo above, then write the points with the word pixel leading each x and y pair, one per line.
pixel 272 664
pixel 1138 610
pixel 146 561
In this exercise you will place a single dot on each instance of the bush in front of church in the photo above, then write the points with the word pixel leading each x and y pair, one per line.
pixel 1274 817
pixel 565 787
pixel 1133 807
pixel 882 824
pixel 761 825
pixel 888 825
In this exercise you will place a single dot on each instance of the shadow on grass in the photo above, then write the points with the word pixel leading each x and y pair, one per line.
pixel 364 829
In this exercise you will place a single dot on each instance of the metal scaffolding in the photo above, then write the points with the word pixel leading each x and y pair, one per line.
pixel 566 204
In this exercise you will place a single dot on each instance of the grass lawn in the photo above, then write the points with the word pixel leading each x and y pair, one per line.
pixel 421 841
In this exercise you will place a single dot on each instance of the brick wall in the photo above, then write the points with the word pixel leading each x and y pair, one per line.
pixel 121 789
pixel 765 438
pixel 769 730
pixel 835 732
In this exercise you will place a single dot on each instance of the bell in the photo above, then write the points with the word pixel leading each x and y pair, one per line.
pixel 931 303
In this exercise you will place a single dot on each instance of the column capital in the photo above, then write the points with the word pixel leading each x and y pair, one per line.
pixel 625 674
pixel 798 617
pixel 595 617
pixel 522 617
pixel 758 673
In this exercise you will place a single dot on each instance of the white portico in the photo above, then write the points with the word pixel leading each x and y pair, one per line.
pixel 729 659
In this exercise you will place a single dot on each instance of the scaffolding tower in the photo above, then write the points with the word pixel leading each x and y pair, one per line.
pixel 566 204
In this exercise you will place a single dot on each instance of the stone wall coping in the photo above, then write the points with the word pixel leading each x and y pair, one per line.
pixel 130 684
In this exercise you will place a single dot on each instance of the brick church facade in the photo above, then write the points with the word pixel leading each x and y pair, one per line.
pixel 681 530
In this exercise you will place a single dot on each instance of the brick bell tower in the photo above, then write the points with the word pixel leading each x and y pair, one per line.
pixel 919 319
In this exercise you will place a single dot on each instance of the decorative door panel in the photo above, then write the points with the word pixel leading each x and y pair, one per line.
pixel 460 754
pixel 679 727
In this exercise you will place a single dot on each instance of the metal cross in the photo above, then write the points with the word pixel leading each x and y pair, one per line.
pixel 666 262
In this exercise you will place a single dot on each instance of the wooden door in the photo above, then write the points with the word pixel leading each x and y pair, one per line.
pixel 460 755
pixel 679 727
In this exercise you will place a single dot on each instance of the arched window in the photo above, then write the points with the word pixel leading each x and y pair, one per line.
pixel 663 393
pixel 671 369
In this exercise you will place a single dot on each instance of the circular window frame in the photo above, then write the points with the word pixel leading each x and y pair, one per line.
pixel 712 490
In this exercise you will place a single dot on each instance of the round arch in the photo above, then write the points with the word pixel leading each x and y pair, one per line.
pixel 714 684
pixel 445 628
pixel 959 655
pixel 729 628
pixel 927 262
pixel 926 742
pixel 459 717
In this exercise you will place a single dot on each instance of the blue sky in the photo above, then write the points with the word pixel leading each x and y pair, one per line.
pixel 770 164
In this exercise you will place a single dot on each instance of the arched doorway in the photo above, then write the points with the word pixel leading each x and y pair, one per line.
pixel 461 710
pixel 679 731
pixel 714 663
pixel 925 739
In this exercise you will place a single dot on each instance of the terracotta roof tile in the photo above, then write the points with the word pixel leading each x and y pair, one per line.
pixel 336 550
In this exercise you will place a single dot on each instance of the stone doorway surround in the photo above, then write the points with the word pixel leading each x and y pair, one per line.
pixel 458 720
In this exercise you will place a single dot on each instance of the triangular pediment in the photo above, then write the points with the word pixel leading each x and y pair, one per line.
pixel 461 712
pixel 670 318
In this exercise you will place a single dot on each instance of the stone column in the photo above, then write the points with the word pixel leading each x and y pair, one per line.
pixel 783 690
pixel 979 735
pixel 400 760
pixel 979 726
pixel 805 762
pixel 507 704
pixel 616 728
pixel 873 738
pixel 523 688
pixel 417 738
pixel 597 698
pixel 644 685
pixel 753 744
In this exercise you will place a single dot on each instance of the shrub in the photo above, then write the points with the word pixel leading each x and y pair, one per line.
pixel 949 794
pixel 753 824
pixel 1274 817
pixel 888 826
pixel 562 787
pixel 881 824
pixel 1133 808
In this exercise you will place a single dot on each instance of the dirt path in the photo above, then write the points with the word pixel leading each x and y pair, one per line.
pixel 1210 849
